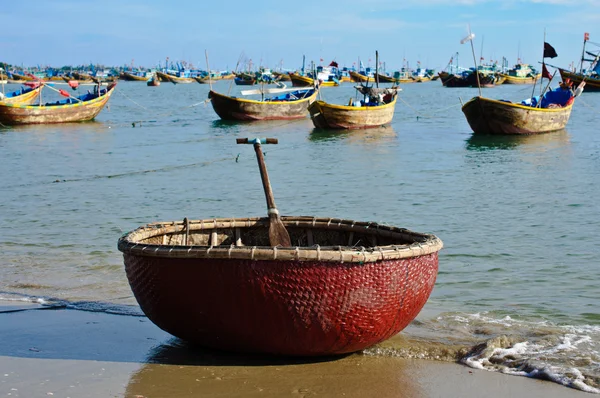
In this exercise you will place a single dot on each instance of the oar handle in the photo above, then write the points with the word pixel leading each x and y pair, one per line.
pixel 264 175
pixel 256 140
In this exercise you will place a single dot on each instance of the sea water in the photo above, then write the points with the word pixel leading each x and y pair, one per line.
pixel 517 289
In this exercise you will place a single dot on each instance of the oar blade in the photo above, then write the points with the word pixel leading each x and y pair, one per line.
pixel 278 235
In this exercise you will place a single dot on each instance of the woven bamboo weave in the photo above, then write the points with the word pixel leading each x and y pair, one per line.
pixel 346 286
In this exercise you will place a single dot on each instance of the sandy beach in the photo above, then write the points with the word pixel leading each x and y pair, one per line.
pixel 61 352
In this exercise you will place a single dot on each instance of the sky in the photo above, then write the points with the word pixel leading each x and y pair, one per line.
pixel 278 34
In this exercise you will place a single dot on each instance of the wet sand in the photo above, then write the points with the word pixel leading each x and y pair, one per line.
pixel 68 353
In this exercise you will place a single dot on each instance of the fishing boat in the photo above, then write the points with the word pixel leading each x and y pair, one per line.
pixel 374 110
pixel 299 80
pixel 283 285
pixel 25 95
pixel 179 78
pixel 244 79
pixel 489 116
pixel 281 76
pixel 403 76
pixel 153 82
pixel 456 79
pixel 383 78
pixel 202 79
pixel 521 74
pixel 21 77
pixel 72 109
pixel 136 76
pixel 591 76
pixel 360 77
pixel 327 76
pixel 289 104
pixel 592 81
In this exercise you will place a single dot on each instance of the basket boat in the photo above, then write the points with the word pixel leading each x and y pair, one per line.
pixel 341 287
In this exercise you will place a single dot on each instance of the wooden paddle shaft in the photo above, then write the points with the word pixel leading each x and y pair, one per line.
pixel 265 179
pixel 264 175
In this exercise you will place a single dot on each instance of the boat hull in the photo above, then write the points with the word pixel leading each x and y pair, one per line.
pixel 301 81
pixel 231 108
pixel 244 80
pixel 386 79
pixel 25 98
pixel 133 78
pixel 281 76
pixel 290 304
pixel 487 116
pixel 15 114
pixel 591 83
pixel 329 116
pixel 519 80
pixel 358 78
pixel 165 77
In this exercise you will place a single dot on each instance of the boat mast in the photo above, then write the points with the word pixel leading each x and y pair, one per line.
pixel 470 38
pixel 585 37
pixel 377 68
pixel 457 64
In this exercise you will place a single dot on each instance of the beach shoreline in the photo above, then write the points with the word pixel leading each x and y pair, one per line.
pixel 62 352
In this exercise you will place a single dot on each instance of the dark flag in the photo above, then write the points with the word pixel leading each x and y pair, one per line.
pixel 549 51
pixel 545 73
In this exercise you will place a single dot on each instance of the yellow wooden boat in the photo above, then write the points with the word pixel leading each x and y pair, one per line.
pixel 360 78
pixel 304 81
pixel 592 82
pixel 72 109
pixel 520 80
pixel 489 116
pixel 378 110
pixel 290 104
pixel 24 96
pixel 135 77
pixel 521 74
pixel 165 77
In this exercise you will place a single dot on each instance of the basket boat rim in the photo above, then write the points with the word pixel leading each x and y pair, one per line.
pixel 420 243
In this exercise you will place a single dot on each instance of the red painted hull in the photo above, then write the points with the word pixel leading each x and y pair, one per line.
pixel 296 304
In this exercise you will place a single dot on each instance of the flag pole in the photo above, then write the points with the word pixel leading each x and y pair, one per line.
pixel 542 76
pixel 534 79
pixel 470 38
pixel 475 60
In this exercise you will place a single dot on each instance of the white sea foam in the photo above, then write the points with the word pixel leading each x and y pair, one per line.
pixel 24 299
pixel 567 355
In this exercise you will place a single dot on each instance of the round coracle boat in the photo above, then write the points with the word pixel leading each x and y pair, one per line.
pixel 341 287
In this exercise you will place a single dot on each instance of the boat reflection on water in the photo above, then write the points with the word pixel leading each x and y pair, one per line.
pixel 92 126
pixel 546 141
pixel 178 369
pixel 258 127
pixel 378 135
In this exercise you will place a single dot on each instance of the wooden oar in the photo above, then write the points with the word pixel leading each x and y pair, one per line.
pixel 278 235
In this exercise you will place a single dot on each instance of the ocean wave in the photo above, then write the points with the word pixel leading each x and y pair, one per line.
pixel 565 354
pixel 92 306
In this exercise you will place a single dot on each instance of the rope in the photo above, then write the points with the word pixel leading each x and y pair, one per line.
pixel 124 95
pixel 131 173
pixel 587 105
pixel 135 123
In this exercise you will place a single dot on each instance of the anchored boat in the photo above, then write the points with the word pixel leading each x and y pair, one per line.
pixel 72 109
pixel 289 104
pixel 532 116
